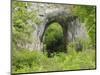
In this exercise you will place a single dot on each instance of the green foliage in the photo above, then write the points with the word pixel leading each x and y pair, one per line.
pixel 53 37
pixel 25 61
pixel 32 61
pixel 21 29
pixel 23 19
pixel 87 15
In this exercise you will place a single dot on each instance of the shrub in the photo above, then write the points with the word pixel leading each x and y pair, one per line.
pixel 25 61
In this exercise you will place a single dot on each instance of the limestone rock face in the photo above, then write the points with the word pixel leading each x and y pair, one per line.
pixel 49 13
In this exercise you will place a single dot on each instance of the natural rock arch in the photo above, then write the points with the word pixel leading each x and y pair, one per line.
pixel 71 26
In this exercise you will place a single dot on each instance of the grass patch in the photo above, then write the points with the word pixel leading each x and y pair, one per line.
pixel 32 61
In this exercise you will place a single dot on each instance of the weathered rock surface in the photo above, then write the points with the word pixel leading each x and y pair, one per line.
pixel 49 13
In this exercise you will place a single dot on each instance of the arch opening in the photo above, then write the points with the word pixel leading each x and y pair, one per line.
pixel 53 38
